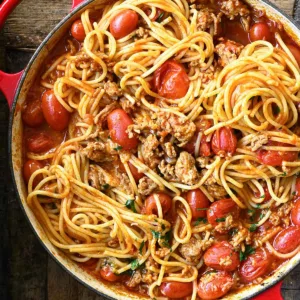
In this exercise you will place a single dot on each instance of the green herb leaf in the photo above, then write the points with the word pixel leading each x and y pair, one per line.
pixel 118 148
pixel 166 239
pixel 283 174
pixel 141 247
pixel 105 186
pixel 220 220
pixel 233 231
pixel 258 206
pixel 262 196
pixel 200 220
pixel 159 19
pixel 276 109
pixel 294 193
pixel 250 212
pixel 130 204
pixel 248 251
pixel 253 227
pixel 163 227
pixel 134 264
pixel 206 208
pixel 155 234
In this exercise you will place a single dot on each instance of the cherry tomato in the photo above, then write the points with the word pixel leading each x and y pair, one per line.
pixel 32 114
pixel 220 210
pixel 118 122
pixel 107 274
pixel 265 226
pixel 198 203
pixel 176 290
pixel 214 285
pixel 135 173
pixel 171 81
pixel 29 168
pixel 55 114
pixel 159 12
pixel 221 256
pixel 287 240
pixel 150 207
pixel 224 141
pixel 295 213
pixel 123 23
pixel 297 187
pixel 255 265
pixel 77 31
pixel 39 143
pixel 296 52
pixel 266 194
pixel 260 31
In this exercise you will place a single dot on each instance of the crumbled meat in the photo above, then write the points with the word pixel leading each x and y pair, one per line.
pixel 100 119
pixel 227 51
pixel 215 190
pixel 281 216
pixel 225 261
pixel 112 90
pixel 146 186
pixel 142 33
pixel 209 277
pixel 191 251
pixel 150 151
pixel 134 280
pixel 226 225
pixel 148 276
pixel 126 105
pixel 202 161
pixel 185 169
pixel 98 152
pixel 242 234
pixel 169 150
pixel 167 170
pixel 71 47
pixel 234 8
pixel 206 18
pixel 285 209
pixel 275 219
pixel 113 243
pixel 162 252
pixel 258 140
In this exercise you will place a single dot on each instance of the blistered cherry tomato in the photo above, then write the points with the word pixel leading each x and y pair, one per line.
pixel 123 23
pixel 295 213
pixel 296 52
pixel 198 203
pixel 176 290
pixel 55 114
pixel 29 168
pixel 220 209
pixel 32 114
pixel 221 256
pixel 171 81
pixel 267 195
pixel 150 207
pixel 135 173
pixel 118 122
pixel 107 274
pixel 260 31
pixel 255 265
pixel 214 285
pixel 40 142
pixel 224 141
pixel 77 31
pixel 287 240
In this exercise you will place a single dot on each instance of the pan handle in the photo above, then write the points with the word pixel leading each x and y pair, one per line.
pixel 75 3
pixel 6 7
pixel 272 293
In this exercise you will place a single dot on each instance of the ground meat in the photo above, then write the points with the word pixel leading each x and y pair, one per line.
pixel 98 152
pixel 134 280
pixel 227 51
pixel 185 169
pixel 202 161
pixel 234 8
pixel 206 18
pixel 142 33
pixel 226 225
pixel 151 151
pixel 126 105
pixel 258 140
pixel 112 90
pixel 242 234
pixel 148 276
pixel 216 191
pixel 162 252
pixel 169 150
pixel 191 251
pixel 282 215
pixel 100 119
pixel 167 170
pixel 98 177
pixel 146 186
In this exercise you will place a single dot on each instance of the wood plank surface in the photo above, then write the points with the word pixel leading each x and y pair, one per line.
pixel 26 271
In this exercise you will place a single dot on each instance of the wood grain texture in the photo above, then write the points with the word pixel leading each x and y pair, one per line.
pixel 26 271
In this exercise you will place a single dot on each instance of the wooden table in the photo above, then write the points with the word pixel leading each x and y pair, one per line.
pixel 26 270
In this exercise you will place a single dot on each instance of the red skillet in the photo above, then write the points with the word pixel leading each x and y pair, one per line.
pixel 11 86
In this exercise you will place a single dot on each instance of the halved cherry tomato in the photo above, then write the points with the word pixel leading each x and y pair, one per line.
pixel 260 31
pixel 77 31
pixel 29 168
pixel 198 203
pixel 221 256
pixel 214 285
pixel 296 52
pixel 275 158
pixel 171 81
pixel 150 207
pixel 39 142
pixel 135 173
pixel 55 114
pixel 176 290
pixel 255 265
pixel 295 213
pixel 220 210
pixel 32 114
pixel 266 194
pixel 224 142
pixel 123 23
pixel 107 274
pixel 118 122
pixel 287 240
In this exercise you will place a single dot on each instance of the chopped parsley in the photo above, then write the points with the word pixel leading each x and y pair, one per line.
pixel 141 247
pixel 166 239
pixel 248 251
pixel 134 264
pixel 105 186
pixel 262 196
pixel 258 206
pixel 130 204
pixel 159 19
pixel 253 227
pixel 155 234
pixel 220 220
pixel 250 211
pixel 163 227
pixel 206 208
pixel 233 231
pixel 261 216
pixel 276 109
pixel 283 174
pixel 294 193
pixel 200 220
pixel 118 148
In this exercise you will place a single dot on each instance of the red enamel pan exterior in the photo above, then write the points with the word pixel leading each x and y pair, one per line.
pixel 12 85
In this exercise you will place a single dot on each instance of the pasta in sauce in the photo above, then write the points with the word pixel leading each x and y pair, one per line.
pixel 161 146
